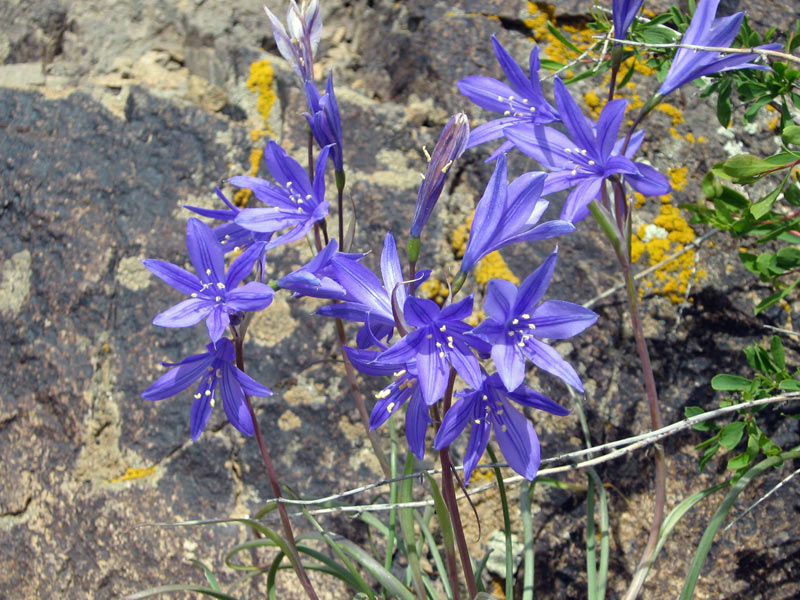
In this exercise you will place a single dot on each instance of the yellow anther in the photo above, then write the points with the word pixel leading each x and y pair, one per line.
pixel 525 101
pixel 390 407
pixel 447 166
pixel 511 334
pixel 438 344
pixel 485 397
pixel 383 394
pixel 218 298
pixel 427 154
pixel 521 344
pixel 499 411
pixel 429 336
pixel 515 321
pixel 504 428
pixel 208 392
pixel 531 326
pixel 208 271
pixel 399 373
pixel 507 113
pixel 526 316
pixel 591 162
pixel 574 171
pixel 443 328
pixel 198 395
pixel 532 109
pixel 567 150
pixel 441 354
pixel 477 421
pixel 194 295
pixel 220 285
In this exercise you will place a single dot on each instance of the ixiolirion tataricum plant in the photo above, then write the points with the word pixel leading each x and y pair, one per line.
pixel 452 378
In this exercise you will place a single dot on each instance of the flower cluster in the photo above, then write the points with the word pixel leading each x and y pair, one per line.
pixel 422 346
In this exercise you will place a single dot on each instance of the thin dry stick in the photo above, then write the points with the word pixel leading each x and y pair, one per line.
pixel 618 448
pixel 760 500
pixel 759 51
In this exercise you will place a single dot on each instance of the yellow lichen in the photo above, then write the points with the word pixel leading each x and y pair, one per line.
pixel 134 473
pixel 494 267
pixel 673 278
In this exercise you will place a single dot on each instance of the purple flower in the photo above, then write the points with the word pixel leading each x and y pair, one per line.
pixel 368 300
pixel 705 30
pixel 623 15
pixel 296 203
pixel 520 102
pixel 231 236
pixel 450 146
pixel 586 157
pixel 405 387
pixel 507 214
pixel 314 278
pixel 516 322
pixel 437 343
pixel 487 407
pixel 325 122
pixel 300 45
pixel 214 294
pixel 214 369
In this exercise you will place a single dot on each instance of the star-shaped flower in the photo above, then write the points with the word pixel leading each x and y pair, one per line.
pixel 487 408
pixel 516 321
pixel 507 214
pixel 368 299
pixel 296 203
pixel 437 343
pixel 705 30
pixel 214 369
pixel 214 294
pixel 586 157
pixel 520 102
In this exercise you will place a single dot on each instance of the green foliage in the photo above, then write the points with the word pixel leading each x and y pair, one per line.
pixel 744 434
pixel 771 218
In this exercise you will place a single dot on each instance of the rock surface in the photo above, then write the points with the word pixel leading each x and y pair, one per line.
pixel 113 115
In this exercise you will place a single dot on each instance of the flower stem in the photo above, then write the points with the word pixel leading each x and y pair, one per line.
pixel 276 486
pixel 449 494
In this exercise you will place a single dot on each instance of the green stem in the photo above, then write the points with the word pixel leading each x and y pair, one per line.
pixel 506 524
pixel 527 535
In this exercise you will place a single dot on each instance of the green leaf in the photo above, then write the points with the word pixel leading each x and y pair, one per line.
pixel 792 194
pixel 693 411
pixel 763 206
pixel 744 166
pixel 551 65
pixel 731 434
pixel 443 515
pixel 561 37
pixel 166 589
pixel 728 383
pixel 724 103
pixel 776 297
pixel 790 385
pixel 708 455
pixel 212 580
pixel 778 355
pixel 791 135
